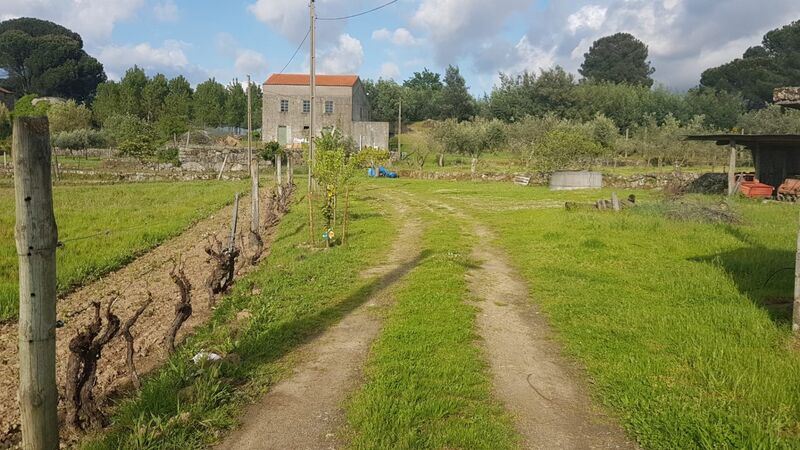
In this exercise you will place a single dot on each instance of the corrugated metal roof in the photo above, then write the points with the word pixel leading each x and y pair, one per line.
pixel 296 79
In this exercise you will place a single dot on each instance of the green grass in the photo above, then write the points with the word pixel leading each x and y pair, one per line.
pixel 681 332
pixel 137 218
pixel 426 381
pixel 295 294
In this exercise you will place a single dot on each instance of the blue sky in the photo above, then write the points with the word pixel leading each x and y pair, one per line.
pixel 227 40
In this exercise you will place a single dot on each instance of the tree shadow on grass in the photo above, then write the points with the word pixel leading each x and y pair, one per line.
pixel 256 349
pixel 764 275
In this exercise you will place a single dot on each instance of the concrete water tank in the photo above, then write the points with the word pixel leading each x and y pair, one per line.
pixel 570 180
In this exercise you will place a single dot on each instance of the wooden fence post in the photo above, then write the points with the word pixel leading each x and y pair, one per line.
pixel 36 238
pixel 254 206
pixel 796 306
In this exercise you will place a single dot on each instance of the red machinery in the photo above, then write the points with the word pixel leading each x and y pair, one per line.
pixel 790 190
pixel 750 187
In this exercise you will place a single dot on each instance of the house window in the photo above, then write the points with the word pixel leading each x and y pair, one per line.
pixel 284 105
pixel 306 106
pixel 328 106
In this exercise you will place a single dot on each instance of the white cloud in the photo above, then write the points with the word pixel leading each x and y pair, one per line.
pixel 290 18
pixel 251 62
pixel 94 20
pixel 346 57
pixel 457 27
pixel 166 11
pixel 389 71
pixel 400 36
pixel 531 57
pixel 589 16
pixel 170 57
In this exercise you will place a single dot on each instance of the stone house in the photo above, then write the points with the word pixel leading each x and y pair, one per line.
pixel 7 98
pixel 341 103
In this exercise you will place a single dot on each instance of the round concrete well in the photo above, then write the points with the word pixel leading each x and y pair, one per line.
pixel 570 180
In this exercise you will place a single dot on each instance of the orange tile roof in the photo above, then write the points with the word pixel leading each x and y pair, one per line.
pixel 297 79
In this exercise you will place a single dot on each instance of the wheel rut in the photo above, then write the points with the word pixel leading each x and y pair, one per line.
pixel 305 411
pixel 545 394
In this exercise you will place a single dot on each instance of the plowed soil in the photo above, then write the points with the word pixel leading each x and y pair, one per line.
pixel 130 284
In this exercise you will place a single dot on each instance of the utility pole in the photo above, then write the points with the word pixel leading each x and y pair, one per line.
pixel 313 85
pixel 36 238
pixel 399 128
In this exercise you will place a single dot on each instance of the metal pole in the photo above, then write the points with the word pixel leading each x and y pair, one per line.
pixel 36 238
pixel 313 85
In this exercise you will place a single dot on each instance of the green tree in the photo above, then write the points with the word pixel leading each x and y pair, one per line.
pixel 131 93
pixel 68 116
pixel 771 120
pixel 384 97
pixel 455 100
pixel 421 96
pixel 619 58
pixel 761 69
pixel 513 99
pixel 153 96
pixel 720 109
pixel 235 106
pixel 106 102
pixel 209 104
pixel 47 59
pixel 177 109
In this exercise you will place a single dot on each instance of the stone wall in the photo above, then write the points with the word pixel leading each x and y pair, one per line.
pixel 201 158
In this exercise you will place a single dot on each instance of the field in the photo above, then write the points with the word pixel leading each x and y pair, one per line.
pixel 105 227
pixel 678 321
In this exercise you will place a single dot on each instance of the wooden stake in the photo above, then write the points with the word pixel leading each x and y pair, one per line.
pixel 234 223
pixel 615 201
pixel 36 238
pixel 278 162
pixel 254 206
pixel 222 169
pixel 732 170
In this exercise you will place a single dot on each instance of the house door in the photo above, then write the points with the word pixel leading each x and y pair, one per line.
pixel 283 135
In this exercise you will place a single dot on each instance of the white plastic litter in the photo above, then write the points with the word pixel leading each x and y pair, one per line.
pixel 205 356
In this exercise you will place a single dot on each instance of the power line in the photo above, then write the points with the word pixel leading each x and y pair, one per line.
pixel 359 14
pixel 297 50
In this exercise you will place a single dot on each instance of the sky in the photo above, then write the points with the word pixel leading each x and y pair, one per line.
pixel 230 39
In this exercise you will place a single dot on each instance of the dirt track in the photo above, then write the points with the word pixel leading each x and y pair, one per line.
pixel 545 394
pixel 305 410
pixel 149 272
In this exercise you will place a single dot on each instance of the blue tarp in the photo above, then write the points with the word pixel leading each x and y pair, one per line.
pixel 381 172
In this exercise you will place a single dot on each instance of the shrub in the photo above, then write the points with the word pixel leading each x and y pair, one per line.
pixel 566 148
pixel 80 139
pixel 168 155
pixel 133 136
pixel 68 116
pixel 270 150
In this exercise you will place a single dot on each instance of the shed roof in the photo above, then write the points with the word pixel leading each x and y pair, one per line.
pixel 752 140
pixel 297 79
pixel 5 91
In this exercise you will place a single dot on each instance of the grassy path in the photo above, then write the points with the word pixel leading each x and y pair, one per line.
pixel 427 385
pixel 680 332
pixel 304 410
pixel 546 394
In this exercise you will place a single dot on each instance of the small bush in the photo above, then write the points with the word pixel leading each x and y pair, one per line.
pixel 68 116
pixel 168 155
